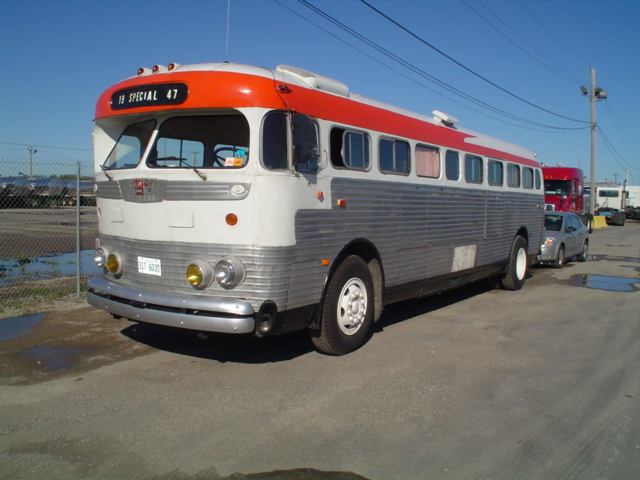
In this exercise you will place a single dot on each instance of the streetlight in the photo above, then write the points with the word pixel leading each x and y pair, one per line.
pixel 31 152
pixel 596 93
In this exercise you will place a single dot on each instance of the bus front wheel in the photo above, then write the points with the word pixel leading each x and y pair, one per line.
pixel 516 273
pixel 347 311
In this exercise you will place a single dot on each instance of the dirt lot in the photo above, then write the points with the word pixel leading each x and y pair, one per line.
pixel 542 383
pixel 38 232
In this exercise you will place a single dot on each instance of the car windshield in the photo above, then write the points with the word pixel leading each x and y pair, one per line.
pixel 553 223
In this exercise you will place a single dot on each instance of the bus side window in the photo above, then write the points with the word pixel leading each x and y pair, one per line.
pixel 274 141
pixel 496 173
pixel 538 180
pixel 513 175
pixel 312 165
pixel 527 178
pixel 393 156
pixel 427 161
pixel 349 149
pixel 473 169
pixel 452 165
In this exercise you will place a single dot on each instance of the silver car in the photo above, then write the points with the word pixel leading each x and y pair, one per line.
pixel 565 237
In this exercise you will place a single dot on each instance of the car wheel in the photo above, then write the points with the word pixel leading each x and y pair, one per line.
pixel 585 252
pixel 559 261
pixel 347 312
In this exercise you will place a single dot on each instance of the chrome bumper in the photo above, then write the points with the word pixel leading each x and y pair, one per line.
pixel 193 312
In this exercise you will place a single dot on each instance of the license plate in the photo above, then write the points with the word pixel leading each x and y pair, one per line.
pixel 149 266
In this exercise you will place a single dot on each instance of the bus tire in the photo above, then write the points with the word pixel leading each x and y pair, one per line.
pixel 347 312
pixel 516 273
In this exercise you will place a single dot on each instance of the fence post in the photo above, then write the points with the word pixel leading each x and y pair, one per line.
pixel 78 243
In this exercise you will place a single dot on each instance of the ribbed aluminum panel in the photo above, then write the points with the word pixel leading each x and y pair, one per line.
pixel 267 268
pixel 416 227
pixel 172 190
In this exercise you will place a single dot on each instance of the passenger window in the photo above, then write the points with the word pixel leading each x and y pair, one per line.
pixel 427 161
pixel 349 149
pixel 513 175
pixel 274 141
pixel 538 180
pixel 496 173
pixel 393 156
pixel 452 165
pixel 473 169
pixel 527 177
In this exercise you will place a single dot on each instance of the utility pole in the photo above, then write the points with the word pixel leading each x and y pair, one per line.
pixel 595 93
pixel 31 152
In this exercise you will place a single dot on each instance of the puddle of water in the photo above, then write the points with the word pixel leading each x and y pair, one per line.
pixel 12 328
pixel 598 258
pixel 37 268
pixel 53 358
pixel 602 282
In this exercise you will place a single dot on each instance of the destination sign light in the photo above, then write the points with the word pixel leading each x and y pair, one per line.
pixel 150 96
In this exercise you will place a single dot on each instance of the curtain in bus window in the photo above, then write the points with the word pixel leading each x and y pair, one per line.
pixel 427 161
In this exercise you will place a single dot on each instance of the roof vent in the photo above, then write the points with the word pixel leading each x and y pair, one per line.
pixel 317 82
pixel 445 119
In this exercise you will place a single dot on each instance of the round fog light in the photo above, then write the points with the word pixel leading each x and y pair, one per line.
pixel 199 274
pixel 114 264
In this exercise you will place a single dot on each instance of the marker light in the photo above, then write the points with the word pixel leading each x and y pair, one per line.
pixel 231 219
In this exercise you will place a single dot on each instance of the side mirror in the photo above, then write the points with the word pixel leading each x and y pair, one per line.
pixel 305 146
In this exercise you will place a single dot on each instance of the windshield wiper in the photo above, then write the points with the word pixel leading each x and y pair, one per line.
pixel 104 170
pixel 200 174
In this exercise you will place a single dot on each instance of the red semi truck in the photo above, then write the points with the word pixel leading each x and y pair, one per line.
pixel 564 191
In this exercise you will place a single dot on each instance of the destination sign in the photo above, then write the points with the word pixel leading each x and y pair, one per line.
pixel 150 96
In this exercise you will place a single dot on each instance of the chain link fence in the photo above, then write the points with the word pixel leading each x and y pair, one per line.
pixel 48 227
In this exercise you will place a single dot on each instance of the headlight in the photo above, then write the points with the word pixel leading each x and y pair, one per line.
pixel 100 257
pixel 114 264
pixel 199 274
pixel 549 241
pixel 229 272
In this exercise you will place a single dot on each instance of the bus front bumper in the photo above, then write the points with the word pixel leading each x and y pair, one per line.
pixel 192 312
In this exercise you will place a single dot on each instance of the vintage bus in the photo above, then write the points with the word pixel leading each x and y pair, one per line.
pixel 244 200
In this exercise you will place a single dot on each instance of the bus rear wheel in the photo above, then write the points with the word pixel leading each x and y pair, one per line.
pixel 516 274
pixel 347 311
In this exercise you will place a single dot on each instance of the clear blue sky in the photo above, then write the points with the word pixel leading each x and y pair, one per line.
pixel 57 57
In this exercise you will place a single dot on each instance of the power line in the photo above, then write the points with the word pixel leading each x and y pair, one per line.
pixel 572 79
pixel 467 68
pixel 552 34
pixel 614 153
pixel 46 146
pixel 417 82
pixel 424 74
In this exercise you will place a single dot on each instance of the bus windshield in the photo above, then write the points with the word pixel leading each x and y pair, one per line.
pixel 212 141
pixel 131 145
